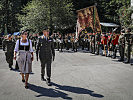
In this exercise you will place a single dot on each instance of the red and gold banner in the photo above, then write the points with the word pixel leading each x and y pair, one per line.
pixel 88 17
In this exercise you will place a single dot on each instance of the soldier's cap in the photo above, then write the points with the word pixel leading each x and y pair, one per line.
pixel 129 29
pixel 46 28
pixel 123 30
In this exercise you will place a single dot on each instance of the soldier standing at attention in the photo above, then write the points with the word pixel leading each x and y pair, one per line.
pixel 131 42
pixel 127 46
pixel 46 51
pixel 3 42
pixel 58 41
pixel 115 44
pixel 104 39
pixel 121 45
pixel 109 45
pixel 98 40
pixel 68 41
pixel 16 65
pixel 93 43
pixel 73 43
pixel 9 51
pixel 61 41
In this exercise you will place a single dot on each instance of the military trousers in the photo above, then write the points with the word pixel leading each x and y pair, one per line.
pixel 61 46
pixel 121 51
pixel 75 46
pixel 46 65
pixel 58 46
pixel 9 58
pixel 97 49
pixel 88 46
pixel 128 52
pixel 114 49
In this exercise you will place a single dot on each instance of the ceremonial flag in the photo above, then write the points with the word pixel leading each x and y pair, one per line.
pixel 88 17
pixel 97 26
pixel 78 28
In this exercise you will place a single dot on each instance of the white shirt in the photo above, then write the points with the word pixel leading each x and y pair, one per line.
pixel 45 37
pixel 23 44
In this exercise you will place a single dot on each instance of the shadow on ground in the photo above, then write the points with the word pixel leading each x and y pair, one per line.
pixel 48 92
pixel 57 91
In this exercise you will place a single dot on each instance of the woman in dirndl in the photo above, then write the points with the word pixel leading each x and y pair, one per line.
pixel 23 53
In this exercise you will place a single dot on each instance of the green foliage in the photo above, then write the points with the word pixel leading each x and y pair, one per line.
pixel 56 14
pixel 125 16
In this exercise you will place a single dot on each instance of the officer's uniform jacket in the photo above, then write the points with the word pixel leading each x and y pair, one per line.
pixel 45 48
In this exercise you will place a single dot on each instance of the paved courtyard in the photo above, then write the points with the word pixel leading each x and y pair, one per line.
pixel 75 76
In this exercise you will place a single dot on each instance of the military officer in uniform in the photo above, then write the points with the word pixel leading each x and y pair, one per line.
pixel 75 44
pixel 87 42
pixel 127 46
pixel 131 37
pixel 16 65
pixel 3 42
pixel 9 51
pixel 121 45
pixel 93 43
pixel 46 51
pixel 58 41
pixel 68 41
pixel 90 35
pixel 82 37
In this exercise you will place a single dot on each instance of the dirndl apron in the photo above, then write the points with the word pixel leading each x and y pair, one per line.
pixel 24 61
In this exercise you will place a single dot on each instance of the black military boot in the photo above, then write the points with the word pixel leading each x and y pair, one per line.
pixel 121 59
pixel 42 78
pixel 48 82
pixel 126 62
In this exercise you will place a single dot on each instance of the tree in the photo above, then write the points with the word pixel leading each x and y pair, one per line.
pixel 56 14
pixel 8 11
pixel 125 16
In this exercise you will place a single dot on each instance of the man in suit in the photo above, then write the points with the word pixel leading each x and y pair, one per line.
pixel 46 51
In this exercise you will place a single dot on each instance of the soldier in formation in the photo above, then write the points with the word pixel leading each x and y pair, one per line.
pixel 98 39
pixel 122 45
pixel 127 46
pixel 9 46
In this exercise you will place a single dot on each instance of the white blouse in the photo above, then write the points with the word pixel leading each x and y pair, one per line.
pixel 24 44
